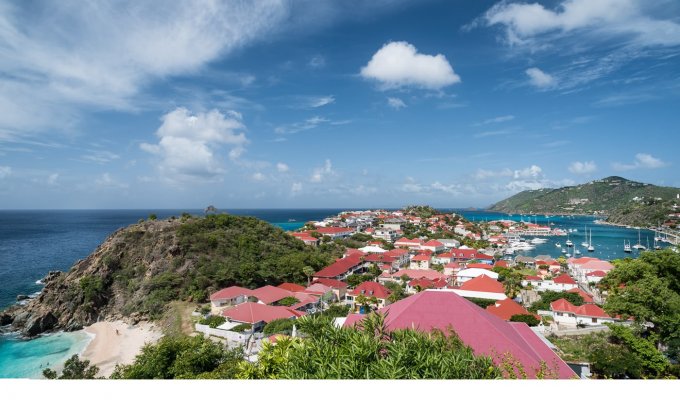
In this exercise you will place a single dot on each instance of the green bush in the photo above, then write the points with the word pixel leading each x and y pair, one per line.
pixel 288 301
pixel 213 321
pixel 242 328
pixel 526 318
pixel 283 325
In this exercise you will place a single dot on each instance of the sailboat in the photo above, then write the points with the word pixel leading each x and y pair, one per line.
pixel 590 243
pixel 639 245
pixel 577 252
pixel 585 242
pixel 626 247
pixel 569 243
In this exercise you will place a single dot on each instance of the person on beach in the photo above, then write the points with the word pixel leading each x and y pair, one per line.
pixel 117 333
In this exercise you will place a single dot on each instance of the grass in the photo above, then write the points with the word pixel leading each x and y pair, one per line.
pixel 577 348
pixel 177 320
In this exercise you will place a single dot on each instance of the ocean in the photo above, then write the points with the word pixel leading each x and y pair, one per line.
pixel 35 242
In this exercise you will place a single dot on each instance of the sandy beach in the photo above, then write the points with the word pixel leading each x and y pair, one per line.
pixel 117 343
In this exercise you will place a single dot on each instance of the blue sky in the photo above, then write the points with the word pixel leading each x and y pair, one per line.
pixel 276 103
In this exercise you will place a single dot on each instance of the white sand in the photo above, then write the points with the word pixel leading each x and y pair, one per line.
pixel 117 343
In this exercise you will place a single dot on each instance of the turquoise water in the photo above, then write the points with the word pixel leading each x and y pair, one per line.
pixel 27 358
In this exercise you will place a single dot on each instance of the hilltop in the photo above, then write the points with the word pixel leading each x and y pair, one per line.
pixel 139 269
pixel 621 200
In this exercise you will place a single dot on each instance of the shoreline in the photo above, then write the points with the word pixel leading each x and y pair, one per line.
pixel 116 342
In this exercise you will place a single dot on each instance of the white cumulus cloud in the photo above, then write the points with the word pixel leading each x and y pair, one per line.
pixel 582 168
pixel 540 79
pixel 642 161
pixel 5 171
pixel 189 142
pixel 320 173
pixel 281 167
pixel 398 64
pixel 395 103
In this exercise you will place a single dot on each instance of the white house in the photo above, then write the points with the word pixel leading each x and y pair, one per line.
pixel 563 312
pixel 230 296
pixel 562 283
pixel 471 273
pixel 482 287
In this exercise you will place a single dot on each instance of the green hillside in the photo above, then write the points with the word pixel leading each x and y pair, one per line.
pixel 621 200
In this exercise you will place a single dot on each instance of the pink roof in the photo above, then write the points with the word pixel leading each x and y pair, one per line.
pixel 433 243
pixel 505 309
pixel 339 267
pixel 396 253
pixel 483 283
pixel 334 283
pixel 291 287
pixel 485 333
pixel 230 293
pixel 586 310
pixel 371 289
pixel 270 294
pixel 255 312
pixel 565 279
pixel 419 273
pixel 318 289
pixel 597 266
pixel 421 257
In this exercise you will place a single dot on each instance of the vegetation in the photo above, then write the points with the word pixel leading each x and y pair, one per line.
pixel 242 328
pixel 183 357
pixel 284 326
pixel 288 301
pixel 213 321
pixel 648 290
pixel 372 352
pixel 511 279
pixel 335 311
pixel 549 296
pixel 355 280
pixel 397 291
pixel 421 211
pixel 74 368
pixel 624 201
pixel 484 303
pixel 526 318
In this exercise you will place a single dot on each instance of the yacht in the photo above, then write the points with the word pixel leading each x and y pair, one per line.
pixel 538 241
pixel 558 245
pixel 567 255
pixel 626 247
pixel 564 251
pixel 577 252
pixel 569 243
pixel 591 248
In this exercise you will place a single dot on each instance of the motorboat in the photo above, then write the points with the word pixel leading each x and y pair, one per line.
pixel 577 252
pixel 558 245
pixel 626 247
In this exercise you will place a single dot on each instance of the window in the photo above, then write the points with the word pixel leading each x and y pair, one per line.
pixel 594 320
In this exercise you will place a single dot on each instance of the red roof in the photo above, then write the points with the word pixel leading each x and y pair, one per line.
pixel 332 230
pixel 291 287
pixel 599 274
pixel 255 312
pixel 421 257
pixel 531 278
pixel 483 283
pixel 318 289
pixel 270 294
pixel 585 296
pixel 396 253
pixel 480 266
pixel 334 283
pixel 433 243
pixel 371 289
pixel 425 283
pixel 586 310
pixel 230 293
pixel 505 309
pixel 485 333
pixel 501 263
pixel 339 267
pixel 565 279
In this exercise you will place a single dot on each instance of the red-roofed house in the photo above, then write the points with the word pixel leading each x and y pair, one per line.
pixel 420 284
pixel 485 333
pixel 339 287
pixel 412 274
pixel 480 266
pixel 595 276
pixel 502 264
pixel 343 267
pixel 291 287
pixel 580 269
pixel 482 287
pixel 258 314
pixel 563 312
pixel 505 309
pixel 452 268
pixel 230 296
pixel 420 261
pixel 531 280
pixel 443 258
pixel 306 237
pixel 434 246
pixel 369 289
pixel 469 274
pixel 408 243
pixel 270 294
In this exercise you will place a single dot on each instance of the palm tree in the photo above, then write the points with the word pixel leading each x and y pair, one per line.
pixel 308 271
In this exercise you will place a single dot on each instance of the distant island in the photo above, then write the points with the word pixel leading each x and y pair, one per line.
pixel 616 199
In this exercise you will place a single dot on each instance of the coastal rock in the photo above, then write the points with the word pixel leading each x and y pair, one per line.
pixel 22 297
pixel 6 319
pixel 39 324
